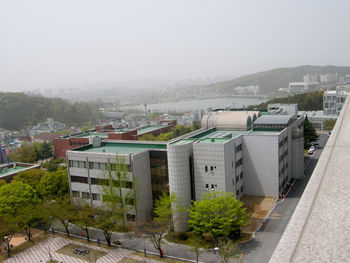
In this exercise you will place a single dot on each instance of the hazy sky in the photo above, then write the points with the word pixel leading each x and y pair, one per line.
pixel 45 44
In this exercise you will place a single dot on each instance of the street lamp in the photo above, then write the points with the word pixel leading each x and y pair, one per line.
pixel 7 245
pixel 217 252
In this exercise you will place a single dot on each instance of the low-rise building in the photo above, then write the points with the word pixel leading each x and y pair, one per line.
pixel 333 100
pixel 8 171
pixel 231 153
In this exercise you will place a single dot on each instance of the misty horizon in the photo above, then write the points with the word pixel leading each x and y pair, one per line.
pixel 49 45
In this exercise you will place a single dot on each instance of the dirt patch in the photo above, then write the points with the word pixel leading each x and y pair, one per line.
pixel 257 207
pixel 92 256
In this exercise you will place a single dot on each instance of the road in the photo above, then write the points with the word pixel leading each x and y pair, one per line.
pixel 260 249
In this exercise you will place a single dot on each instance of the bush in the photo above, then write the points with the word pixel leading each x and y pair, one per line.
pixel 182 236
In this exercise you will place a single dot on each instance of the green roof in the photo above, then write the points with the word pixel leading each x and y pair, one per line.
pixel 6 171
pixel 88 134
pixel 149 128
pixel 215 140
pixel 121 148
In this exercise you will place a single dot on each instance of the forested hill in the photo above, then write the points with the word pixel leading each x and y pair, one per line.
pixel 18 110
pixel 270 81
pixel 311 101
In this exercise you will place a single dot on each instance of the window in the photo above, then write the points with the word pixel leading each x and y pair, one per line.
pixel 130 217
pixel 242 189
pixel 212 187
pixel 79 179
pixel 206 168
pixel 85 195
pixel 237 178
pixel 241 175
pixel 81 164
pixel 96 197
pixel 211 168
pixel 239 162
pixel 237 193
pixel 129 201
pixel 207 186
pixel 75 194
pixel 97 166
pixel 238 148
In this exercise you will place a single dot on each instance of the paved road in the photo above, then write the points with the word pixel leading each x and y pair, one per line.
pixel 260 249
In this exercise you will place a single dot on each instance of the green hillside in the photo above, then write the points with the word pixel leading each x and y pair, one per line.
pixel 18 110
pixel 270 81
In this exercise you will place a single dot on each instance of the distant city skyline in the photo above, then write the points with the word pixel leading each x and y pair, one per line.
pixel 49 44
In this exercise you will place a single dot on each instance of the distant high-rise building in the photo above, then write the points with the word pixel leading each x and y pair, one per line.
pixel 328 78
pixel 310 78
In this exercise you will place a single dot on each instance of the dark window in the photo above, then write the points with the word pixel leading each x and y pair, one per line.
pixel 237 178
pixel 207 186
pixel 206 168
pixel 78 179
pixel 239 162
pixel 241 175
pixel 242 189
pixel 130 217
pixel 85 195
pixel 237 193
pixel 129 201
pixel 76 194
pixel 96 197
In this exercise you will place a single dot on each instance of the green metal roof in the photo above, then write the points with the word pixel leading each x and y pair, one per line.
pixel 88 134
pixel 6 171
pixel 150 128
pixel 121 148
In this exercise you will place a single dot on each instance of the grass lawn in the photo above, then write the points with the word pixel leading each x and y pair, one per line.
pixel 91 256
pixel 168 260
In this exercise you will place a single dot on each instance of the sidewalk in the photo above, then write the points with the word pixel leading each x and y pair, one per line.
pixel 129 241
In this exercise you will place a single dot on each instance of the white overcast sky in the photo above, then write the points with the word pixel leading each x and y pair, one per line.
pixel 45 44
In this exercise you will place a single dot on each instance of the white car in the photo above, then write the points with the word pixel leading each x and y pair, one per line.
pixel 311 150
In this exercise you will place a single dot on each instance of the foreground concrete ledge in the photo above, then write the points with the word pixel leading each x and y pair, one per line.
pixel 319 230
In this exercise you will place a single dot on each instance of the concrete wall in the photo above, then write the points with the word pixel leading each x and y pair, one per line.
pixel 142 185
pixel 180 179
pixel 260 158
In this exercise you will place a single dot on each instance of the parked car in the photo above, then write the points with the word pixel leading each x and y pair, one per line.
pixel 311 150
pixel 315 143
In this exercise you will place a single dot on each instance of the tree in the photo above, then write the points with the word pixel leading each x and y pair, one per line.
pixel 24 154
pixel 115 190
pixel 54 184
pixel 329 124
pixel 16 195
pixel 2 182
pixel 310 134
pixel 46 151
pixel 219 214
pixel 228 249
pixel 106 222
pixel 31 177
pixel 85 217
pixel 196 248
pixel 157 229
pixel 60 209
pixel 8 227
pixel 27 217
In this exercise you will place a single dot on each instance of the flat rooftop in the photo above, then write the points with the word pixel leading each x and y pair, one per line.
pixel 150 128
pixel 6 170
pixel 120 148
pixel 89 134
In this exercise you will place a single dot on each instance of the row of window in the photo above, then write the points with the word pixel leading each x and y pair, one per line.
pixel 97 197
pixel 100 166
pixel 238 148
pixel 212 186
pixel 237 192
pixel 206 168
pixel 282 142
pixel 98 181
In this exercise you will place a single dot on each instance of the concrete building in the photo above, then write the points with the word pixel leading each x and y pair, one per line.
pixel 310 78
pixel 230 153
pixel 328 78
pixel 302 87
pixel 106 131
pixel 333 100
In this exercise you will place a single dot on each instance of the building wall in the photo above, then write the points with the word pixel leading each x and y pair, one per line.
pixel 142 175
pixel 180 179
pixel 139 173
pixel 260 158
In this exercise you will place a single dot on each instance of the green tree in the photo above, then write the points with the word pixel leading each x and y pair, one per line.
pixel 219 214
pixel 162 222
pixel 46 151
pixel 227 250
pixel 105 221
pixel 16 195
pixel 310 134
pixel 85 217
pixel 118 191
pixel 27 217
pixel 60 209
pixel 8 227
pixel 2 182
pixel 54 184
pixel 24 154
pixel 31 177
